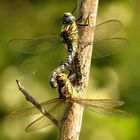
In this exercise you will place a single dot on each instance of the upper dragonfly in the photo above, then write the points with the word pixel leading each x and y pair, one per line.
pixel 104 45
pixel 55 107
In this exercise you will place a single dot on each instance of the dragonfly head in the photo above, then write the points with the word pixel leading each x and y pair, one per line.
pixel 68 18
pixel 61 79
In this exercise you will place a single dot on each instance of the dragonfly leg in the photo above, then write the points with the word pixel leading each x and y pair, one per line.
pixel 74 9
pixel 86 22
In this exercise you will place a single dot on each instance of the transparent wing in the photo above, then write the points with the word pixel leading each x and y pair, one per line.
pixel 43 121
pixel 44 62
pixel 107 111
pixel 107 29
pixel 106 47
pixel 48 105
pixel 33 46
pixel 44 50
pixel 104 106
pixel 37 124
pixel 103 44
pixel 101 102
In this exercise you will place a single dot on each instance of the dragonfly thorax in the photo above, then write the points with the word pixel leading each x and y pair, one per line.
pixel 69 31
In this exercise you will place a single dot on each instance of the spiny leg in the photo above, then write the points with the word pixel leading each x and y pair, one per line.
pixel 86 22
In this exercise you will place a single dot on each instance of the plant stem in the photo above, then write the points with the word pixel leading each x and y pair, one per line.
pixel 36 104
pixel 70 126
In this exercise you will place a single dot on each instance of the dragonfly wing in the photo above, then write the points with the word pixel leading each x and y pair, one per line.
pixel 31 65
pixel 103 106
pixel 33 110
pixel 107 111
pixel 37 124
pixel 106 47
pixel 101 102
pixel 43 121
pixel 33 46
pixel 43 49
pixel 107 29
pixel 44 62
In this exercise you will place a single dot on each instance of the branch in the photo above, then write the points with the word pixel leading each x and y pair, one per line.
pixel 36 104
pixel 70 126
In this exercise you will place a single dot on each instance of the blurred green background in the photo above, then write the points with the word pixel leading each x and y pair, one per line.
pixel 113 77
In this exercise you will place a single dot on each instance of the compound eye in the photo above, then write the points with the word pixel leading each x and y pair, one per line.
pixel 70 19
pixel 61 82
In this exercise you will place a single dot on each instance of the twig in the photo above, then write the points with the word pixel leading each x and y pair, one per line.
pixel 70 126
pixel 36 104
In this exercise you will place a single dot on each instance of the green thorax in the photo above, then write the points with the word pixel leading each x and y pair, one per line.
pixel 69 31
pixel 65 87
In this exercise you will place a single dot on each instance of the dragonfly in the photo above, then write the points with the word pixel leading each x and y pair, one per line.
pixel 56 106
pixel 44 49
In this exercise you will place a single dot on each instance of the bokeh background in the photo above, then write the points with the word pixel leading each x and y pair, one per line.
pixel 116 76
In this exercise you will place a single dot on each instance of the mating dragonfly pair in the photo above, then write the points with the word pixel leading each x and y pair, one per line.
pixel 104 45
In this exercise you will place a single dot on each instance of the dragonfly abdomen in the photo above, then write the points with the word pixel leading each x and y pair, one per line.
pixel 66 64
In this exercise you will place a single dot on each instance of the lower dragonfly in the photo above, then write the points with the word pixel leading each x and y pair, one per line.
pixel 55 107
pixel 43 48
